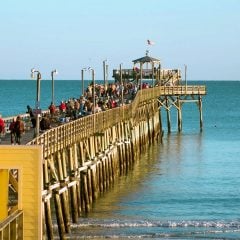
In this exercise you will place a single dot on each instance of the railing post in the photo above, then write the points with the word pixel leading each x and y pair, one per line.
pixel 20 227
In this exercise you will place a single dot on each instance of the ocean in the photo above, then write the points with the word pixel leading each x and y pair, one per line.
pixel 186 187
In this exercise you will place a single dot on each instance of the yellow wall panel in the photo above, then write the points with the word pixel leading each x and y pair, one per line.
pixel 4 179
pixel 28 160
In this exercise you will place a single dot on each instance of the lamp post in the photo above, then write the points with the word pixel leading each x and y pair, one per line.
pixel 121 83
pixel 160 74
pixel 82 76
pixel 93 80
pixel 93 89
pixel 185 74
pixel 152 73
pixel 104 73
pixel 37 105
pixel 52 75
pixel 106 76
pixel 141 74
pixel 93 96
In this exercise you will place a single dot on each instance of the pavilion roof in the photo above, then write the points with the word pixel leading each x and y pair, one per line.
pixel 146 59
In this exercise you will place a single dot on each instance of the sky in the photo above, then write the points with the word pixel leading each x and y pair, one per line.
pixel 69 35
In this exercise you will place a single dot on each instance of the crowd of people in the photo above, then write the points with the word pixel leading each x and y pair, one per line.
pixel 96 98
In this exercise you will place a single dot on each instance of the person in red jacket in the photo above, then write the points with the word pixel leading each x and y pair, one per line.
pixel 62 107
pixel 2 127
pixel 52 109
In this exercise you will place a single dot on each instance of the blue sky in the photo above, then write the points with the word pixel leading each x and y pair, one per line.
pixel 72 34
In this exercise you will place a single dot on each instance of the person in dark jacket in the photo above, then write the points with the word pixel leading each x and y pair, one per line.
pixel 45 123
pixel 19 129
pixel 33 119
pixel 12 131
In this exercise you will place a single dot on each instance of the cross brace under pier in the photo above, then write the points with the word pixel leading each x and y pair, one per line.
pixel 169 101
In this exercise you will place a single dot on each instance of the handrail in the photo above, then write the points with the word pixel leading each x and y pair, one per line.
pixel 55 138
pixel 12 226
pixel 181 90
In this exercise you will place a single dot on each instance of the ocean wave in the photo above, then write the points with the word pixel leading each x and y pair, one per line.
pixel 218 234
pixel 233 224
pixel 145 229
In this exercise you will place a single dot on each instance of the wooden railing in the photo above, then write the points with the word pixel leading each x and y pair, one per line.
pixel 181 90
pixel 12 227
pixel 146 73
pixel 58 138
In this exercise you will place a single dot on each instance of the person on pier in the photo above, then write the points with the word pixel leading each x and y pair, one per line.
pixel 19 129
pixel 62 107
pixel 45 123
pixel 33 119
pixel 52 109
pixel 12 131
pixel 2 127
pixel 76 109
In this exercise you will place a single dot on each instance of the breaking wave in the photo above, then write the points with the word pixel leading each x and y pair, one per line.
pixel 235 224
pixel 144 229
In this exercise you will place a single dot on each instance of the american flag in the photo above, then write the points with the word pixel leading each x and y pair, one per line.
pixel 149 42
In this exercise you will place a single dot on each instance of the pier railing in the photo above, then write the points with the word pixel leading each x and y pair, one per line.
pixel 58 138
pixel 146 73
pixel 181 90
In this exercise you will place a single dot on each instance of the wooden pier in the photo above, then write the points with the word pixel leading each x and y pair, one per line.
pixel 77 162
pixel 83 158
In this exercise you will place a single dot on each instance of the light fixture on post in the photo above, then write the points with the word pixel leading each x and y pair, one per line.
pixel 37 110
pixel 52 75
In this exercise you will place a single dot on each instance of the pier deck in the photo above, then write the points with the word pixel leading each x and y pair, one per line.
pixel 26 137
pixel 162 91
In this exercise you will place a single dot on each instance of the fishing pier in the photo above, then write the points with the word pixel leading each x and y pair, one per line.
pixel 57 176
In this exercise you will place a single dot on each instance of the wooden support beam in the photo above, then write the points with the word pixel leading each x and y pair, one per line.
pixel 13 182
pixel 174 101
pixel 200 112
pixel 168 115
pixel 179 109
pixel 47 203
